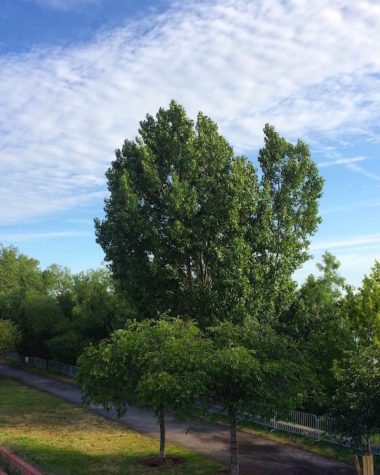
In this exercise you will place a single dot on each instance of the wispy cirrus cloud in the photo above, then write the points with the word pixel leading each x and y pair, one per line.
pixel 349 207
pixel 356 254
pixel 351 164
pixel 340 161
pixel 23 237
pixel 358 169
pixel 64 4
pixel 362 240
pixel 310 69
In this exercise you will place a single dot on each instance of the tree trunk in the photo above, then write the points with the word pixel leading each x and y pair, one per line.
pixel 234 447
pixel 188 268
pixel 162 435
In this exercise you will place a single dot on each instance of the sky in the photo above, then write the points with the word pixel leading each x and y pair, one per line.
pixel 77 76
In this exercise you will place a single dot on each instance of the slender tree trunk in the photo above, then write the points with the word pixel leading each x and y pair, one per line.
pixel 188 268
pixel 162 435
pixel 234 447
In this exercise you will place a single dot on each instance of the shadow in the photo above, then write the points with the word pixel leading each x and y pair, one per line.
pixel 69 461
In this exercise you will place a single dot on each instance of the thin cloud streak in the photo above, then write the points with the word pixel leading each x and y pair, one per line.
pixel 41 236
pixel 340 161
pixel 362 171
pixel 349 242
pixel 350 207
pixel 63 4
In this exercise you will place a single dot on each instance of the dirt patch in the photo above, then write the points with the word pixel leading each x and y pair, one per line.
pixel 155 461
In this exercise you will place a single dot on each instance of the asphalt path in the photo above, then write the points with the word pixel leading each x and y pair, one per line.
pixel 257 456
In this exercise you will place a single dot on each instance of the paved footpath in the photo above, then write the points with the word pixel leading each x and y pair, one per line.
pixel 258 456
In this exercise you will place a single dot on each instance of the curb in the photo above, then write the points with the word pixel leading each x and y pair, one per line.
pixel 17 462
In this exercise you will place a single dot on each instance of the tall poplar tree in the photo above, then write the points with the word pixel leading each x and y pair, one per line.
pixel 189 228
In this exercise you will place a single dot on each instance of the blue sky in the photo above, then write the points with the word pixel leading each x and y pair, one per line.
pixel 78 75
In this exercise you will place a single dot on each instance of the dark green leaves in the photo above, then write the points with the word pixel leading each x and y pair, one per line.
pixel 190 231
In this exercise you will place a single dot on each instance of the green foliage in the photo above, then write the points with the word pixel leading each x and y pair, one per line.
pixel 191 231
pixel 58 313
pixel 357 399
pixel 251 369
pixel 357 374
pixel 18 271
pixel 9 336
pixel 18 275
pixel 252 366
pixel 156 363
pixel 94 299
pixel 172 356
pixel 321 329
pixel 66 345
pixel 169 365
pixel 287 215
pixel 363 308
pixel 58 280
pixel 41 319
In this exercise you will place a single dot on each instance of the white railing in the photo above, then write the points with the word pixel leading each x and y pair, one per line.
pixel 307 425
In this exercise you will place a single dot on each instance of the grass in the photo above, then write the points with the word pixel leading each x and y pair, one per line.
pixel 65 439
pixel 325 449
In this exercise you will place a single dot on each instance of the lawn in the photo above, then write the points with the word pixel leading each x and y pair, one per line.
pixel 65 439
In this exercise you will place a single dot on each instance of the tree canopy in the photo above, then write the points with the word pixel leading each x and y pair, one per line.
pixel 9 336
pixel 190 229
pixel 357 399
pixel 58 313
pixel 157 363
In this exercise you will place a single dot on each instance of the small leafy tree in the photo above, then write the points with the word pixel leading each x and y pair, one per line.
pixel 357 399
pixel 154 363
pixel 234 374
pixel 173 378
pixel 251 367
pixel 9 336
pixel 109 373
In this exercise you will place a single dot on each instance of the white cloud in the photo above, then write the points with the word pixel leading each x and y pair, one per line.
pixel 362 171
pixel 63 4
pixel 346 242
pixel 340 161
pixel 349 207
pixel 309 68
pixel 356 256
pixel 22 237
pixel 354 265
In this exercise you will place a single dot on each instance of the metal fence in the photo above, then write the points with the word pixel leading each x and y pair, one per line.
pixel 308 425
pixel 375 443
pixel 300 423
pixel 62 368
pixel 41 363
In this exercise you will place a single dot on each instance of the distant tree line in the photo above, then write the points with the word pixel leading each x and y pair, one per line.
pixel 56 312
